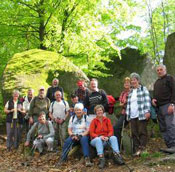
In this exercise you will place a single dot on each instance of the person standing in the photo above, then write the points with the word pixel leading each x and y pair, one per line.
pixel 95 97
pixel 138 113
pixel 39 103
pixel 81 91
pixel 123 103
pixel 51 90
pixel 26 103
pixel 14 120
pixel 59 112
pixel 164 100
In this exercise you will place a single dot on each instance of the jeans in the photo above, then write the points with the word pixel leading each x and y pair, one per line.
pixel 99 144
pixel 84 141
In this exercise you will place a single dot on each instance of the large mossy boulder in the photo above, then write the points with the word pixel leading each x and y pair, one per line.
pixel 35 68
pixel 132 61
pixel 169 58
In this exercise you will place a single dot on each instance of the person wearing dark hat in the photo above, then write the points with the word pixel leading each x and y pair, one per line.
pixel 45 133
pixel 39 103
pixel 51 90
pixel 81 91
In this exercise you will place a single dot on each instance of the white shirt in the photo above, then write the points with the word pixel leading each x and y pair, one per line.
pixel 134 105
pixel 58 109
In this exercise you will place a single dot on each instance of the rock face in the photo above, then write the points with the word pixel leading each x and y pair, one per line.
pixel 132 61
pixel 169 58
pixel 35 68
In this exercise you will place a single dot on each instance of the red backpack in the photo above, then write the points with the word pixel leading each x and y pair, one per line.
pixel 111 103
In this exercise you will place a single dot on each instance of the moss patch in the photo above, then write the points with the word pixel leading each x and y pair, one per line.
pixel 35 68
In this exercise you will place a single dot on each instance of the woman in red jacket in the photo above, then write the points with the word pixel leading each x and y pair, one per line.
pixel 101 133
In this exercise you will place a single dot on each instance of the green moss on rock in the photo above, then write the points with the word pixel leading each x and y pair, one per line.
pixel 35 68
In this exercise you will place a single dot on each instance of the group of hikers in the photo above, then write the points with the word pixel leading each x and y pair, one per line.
pixel 49 121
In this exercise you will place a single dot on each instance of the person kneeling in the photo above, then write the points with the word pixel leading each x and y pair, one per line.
pixel 45 133
pixel 101 133
pixel 78 130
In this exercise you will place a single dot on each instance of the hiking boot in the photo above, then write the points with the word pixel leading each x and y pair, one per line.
pixel 118 159
pixel 88 162
pixel 169 150
pixel 101 163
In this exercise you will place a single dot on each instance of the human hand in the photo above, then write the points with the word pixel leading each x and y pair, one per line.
pixel 154 102
pixel 106 138
pixel 30 120
pixel 39 136
pixel 147 115
pixel 170 109
pixel 61 121
pixel 103 138
pixel 12 110
pixel 26 143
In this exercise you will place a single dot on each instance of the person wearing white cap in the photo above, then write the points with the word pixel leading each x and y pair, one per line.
pixel 78 130
pixel 39 103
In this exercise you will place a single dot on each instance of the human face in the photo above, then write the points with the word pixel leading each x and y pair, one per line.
pixel 30 93
pixel 127 84
pixel 15 96
pixel 41 93
pixel 78 112
pixel 75 100
pixel 94 85
pixel 55 82
pixel 81 87
pixel 161 71
pixel 99 113
pixel 58 96
pixel 42 119
pixel 134 83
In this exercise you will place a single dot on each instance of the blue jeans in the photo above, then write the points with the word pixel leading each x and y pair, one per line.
pixel 84 141
pixel 99 144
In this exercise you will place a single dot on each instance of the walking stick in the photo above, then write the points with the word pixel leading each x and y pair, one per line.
pixel 124 163
pixel 121 143
pixel 65 153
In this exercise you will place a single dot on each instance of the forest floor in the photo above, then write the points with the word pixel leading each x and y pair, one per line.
pixel 18 161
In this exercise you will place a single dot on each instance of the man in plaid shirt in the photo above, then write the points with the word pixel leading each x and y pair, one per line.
pixel 138 112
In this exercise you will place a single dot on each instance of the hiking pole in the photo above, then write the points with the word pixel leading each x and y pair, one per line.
pixel 65 153
pixel 124 163
pixel 33 150
pixel 121 142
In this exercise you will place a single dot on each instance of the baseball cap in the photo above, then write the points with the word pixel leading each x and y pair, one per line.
pixel 80 82
pixel 41 88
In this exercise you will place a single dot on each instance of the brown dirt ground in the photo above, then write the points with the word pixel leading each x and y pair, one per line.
pixel 17 161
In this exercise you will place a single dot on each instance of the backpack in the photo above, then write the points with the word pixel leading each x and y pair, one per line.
pixel 85 117
pixel 152 109
pixel 111 103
